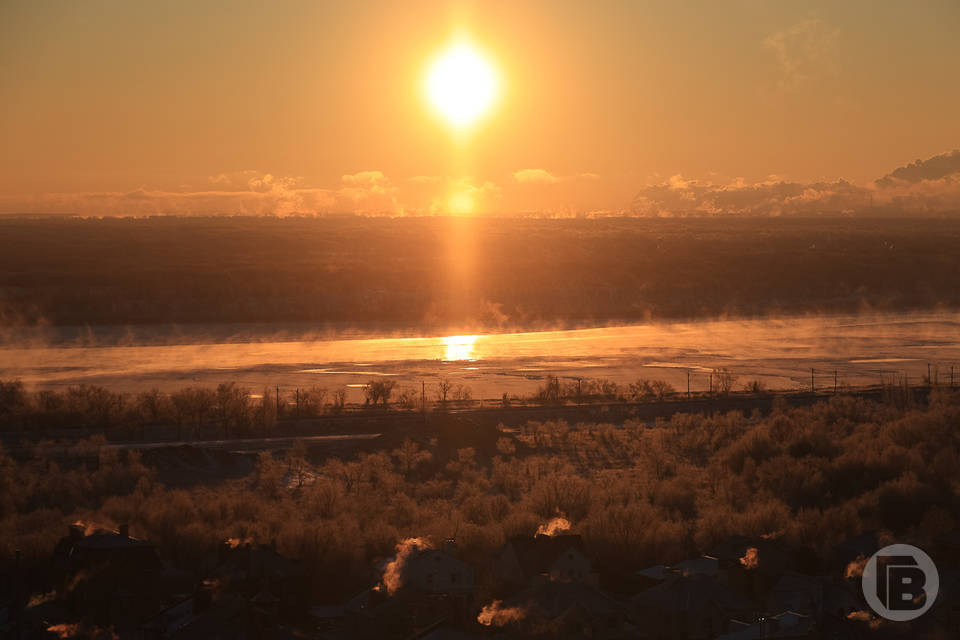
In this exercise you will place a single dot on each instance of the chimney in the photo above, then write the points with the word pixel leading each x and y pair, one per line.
pixel 124 530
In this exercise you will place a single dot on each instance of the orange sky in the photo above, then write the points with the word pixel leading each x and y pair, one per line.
pixel 116 107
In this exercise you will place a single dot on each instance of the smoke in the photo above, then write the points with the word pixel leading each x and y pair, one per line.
pixel 865 616
pixel 393 574
pixel 234 543
pixel 554 526
pixel 496 615
pixel 87 527
pixel 65 630
pixel 42 598
pixel 751 559
pixel 855 568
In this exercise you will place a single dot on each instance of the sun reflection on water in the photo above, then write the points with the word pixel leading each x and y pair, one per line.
pixel 458 347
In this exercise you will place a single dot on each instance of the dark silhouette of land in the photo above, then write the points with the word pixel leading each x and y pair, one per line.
pixel 381 273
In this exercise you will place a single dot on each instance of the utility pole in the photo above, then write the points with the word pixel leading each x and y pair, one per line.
pixel 834 382
pixel 298 403
pixel 580 391
pixel 688 384
pixel 711 383
pixel 813 388
pixel 423 396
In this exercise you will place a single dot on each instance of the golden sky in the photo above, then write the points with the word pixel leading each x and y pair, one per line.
pixel 120 107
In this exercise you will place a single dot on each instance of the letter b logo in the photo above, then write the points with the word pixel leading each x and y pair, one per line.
pixel 900 582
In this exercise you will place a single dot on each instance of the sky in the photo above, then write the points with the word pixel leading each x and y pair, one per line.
pixel 111 107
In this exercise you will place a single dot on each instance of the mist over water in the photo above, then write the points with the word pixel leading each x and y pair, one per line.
pixel 856 349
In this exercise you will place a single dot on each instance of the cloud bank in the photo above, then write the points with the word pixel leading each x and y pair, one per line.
pixel 535 175
pixel 923 187
pixel 927 187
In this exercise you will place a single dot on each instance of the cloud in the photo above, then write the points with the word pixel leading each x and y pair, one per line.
pixel 936 168
pixel 904 191
pixel 364 178
pixel 370 192
pixel 464 196
pixel 803 51
pixel 270 197
pixel 236 193
pixel 535 176
pixel 681 197
pixel 923 187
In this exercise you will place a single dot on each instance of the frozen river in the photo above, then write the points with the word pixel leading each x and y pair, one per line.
pixel 781 352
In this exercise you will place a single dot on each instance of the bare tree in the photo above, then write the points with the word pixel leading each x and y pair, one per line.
pixel 311 400
pixel 723 380
pixel 379 391
pixel 444 387
pixel 338 401
pixel 297 465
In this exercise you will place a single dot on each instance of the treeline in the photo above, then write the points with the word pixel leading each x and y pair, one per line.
pixel 811 477
pixel 227 410
pixel 443 272
pixel 230 410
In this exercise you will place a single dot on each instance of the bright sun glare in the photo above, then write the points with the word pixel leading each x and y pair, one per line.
pixel 458 347
pixel 461 85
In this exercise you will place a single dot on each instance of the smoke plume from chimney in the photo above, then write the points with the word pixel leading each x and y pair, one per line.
pixel 855 568
pixel 555 526
pixel 751 559
pixel 393 573
pixel 496 615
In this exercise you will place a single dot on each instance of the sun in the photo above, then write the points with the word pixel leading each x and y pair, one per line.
pixel 458 348
pixel 462 85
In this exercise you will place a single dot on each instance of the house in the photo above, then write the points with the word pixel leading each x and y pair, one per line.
pixel 112 577
pixel 226 616
pixel 559 558
pixel 815 596
pixel 702 566
pixel 754 565
pixel 214 613
pixel 440 630
pixel 658 574
pixel 797 592
pixel 426 586
pixel 693 606
pixel 788 624
pixel 567 610
pixel 260 572
pixel 438 572
pixel 116 550
pixel 376 614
